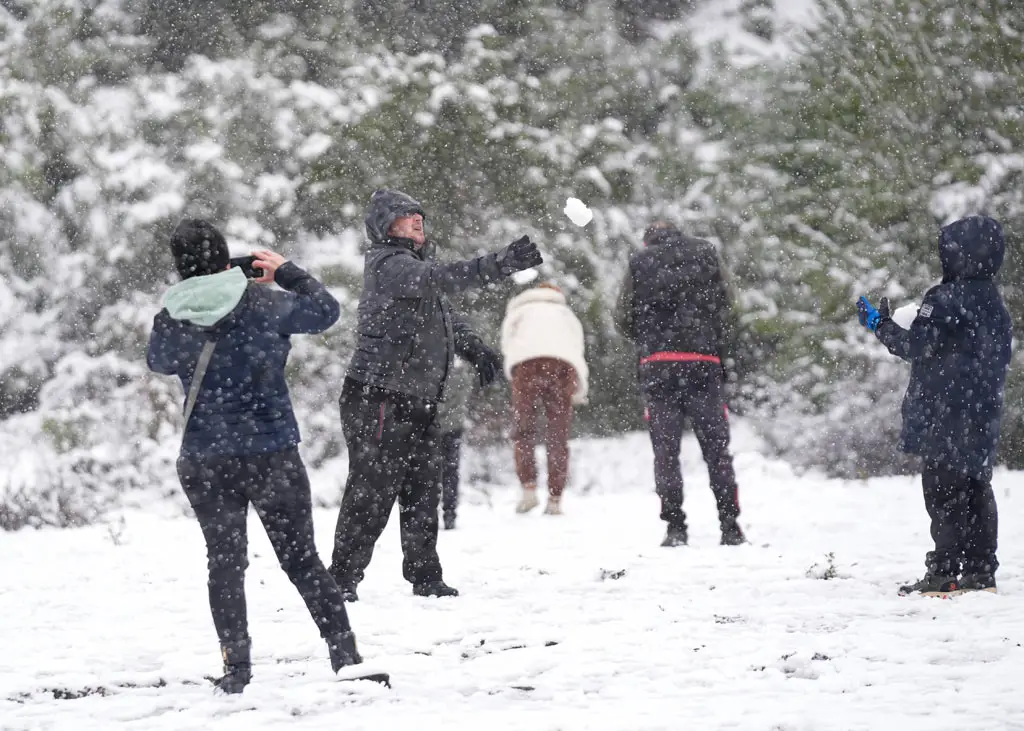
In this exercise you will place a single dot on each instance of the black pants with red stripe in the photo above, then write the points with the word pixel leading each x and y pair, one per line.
pixel 673 393
pixel 393 454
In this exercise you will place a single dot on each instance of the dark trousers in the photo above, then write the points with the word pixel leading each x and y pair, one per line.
pixel 673 392
pixel 451 446
pixel 965 521
pixel 393 454
pixel 220 490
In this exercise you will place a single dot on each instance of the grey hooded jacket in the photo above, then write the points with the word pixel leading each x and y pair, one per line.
pixel 406 334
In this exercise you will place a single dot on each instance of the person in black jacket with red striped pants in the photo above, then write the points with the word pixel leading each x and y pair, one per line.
pixel 674 306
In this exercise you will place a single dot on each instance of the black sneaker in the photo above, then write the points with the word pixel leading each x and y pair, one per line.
pixel 933 585
pixel 675 536
pixel 978 582
pixel 434 588
pixel 732 535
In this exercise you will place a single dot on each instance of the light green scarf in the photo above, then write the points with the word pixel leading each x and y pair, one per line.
pixel 207 299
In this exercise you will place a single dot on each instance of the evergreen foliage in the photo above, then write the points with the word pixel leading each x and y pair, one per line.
pixel 821 175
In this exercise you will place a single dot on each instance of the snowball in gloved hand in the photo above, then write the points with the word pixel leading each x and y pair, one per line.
pixel 904 316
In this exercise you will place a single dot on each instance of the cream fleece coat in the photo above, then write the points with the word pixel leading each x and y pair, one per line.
pixel 539 324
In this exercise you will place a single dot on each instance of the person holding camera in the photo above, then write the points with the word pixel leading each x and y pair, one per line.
pixel 227 340
pixel 407 338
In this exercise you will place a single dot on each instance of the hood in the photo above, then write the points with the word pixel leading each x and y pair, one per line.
pixel 684 257
pixel 385 206
pixel 537 294
pixel 971 248
pixel 206 300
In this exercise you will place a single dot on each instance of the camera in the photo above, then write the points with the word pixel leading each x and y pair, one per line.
pixel 245 264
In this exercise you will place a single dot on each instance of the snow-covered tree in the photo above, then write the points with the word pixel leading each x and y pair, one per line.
pixel 892 118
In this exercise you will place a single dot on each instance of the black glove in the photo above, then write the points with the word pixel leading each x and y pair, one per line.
pixel 519 255
pixel 486 361
pixel 883 309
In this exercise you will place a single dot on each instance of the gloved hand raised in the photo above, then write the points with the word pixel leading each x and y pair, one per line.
pixel 871 318
pixel 519 255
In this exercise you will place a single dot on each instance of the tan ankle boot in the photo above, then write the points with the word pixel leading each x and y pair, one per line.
pixel 529 499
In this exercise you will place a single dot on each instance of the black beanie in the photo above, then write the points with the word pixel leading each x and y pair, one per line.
pixel 198 248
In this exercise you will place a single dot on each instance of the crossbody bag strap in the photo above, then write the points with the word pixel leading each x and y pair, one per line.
pixel 197 378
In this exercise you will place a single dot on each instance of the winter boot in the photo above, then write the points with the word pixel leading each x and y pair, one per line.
pixel 434 588
pixel 675 536
pixel 939 585
pixel 978 582
pixel 529 499
pixel 348 592
pixel 344 654
pixel 237 668
pixel 343 650
pixel 449 521
pixel 732 535
pixel 554 506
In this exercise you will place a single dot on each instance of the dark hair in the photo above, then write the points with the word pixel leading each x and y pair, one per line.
pixel 198 248
pixel 658 227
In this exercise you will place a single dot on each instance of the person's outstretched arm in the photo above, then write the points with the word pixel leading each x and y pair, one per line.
pixel 402 274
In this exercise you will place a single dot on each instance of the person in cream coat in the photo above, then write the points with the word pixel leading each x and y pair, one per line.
pixel 543 349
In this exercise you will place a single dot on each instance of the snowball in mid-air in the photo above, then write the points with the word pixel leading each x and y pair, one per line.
pixel 904 316
pixel 577 211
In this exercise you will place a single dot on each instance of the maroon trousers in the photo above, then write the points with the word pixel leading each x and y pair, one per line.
pixel 548 384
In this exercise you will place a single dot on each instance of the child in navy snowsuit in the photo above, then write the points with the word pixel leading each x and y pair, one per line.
pixel 959 350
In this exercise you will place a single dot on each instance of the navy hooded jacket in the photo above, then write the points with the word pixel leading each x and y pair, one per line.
pixel 959 349
pixel 243 407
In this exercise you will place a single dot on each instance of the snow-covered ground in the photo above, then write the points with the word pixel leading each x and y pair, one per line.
pixel 575 622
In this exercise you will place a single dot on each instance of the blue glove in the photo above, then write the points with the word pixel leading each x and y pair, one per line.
pixel 868 316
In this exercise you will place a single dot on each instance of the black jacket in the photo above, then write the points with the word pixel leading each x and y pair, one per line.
pixel 406 334
pixel 674 299
pixel 959 350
